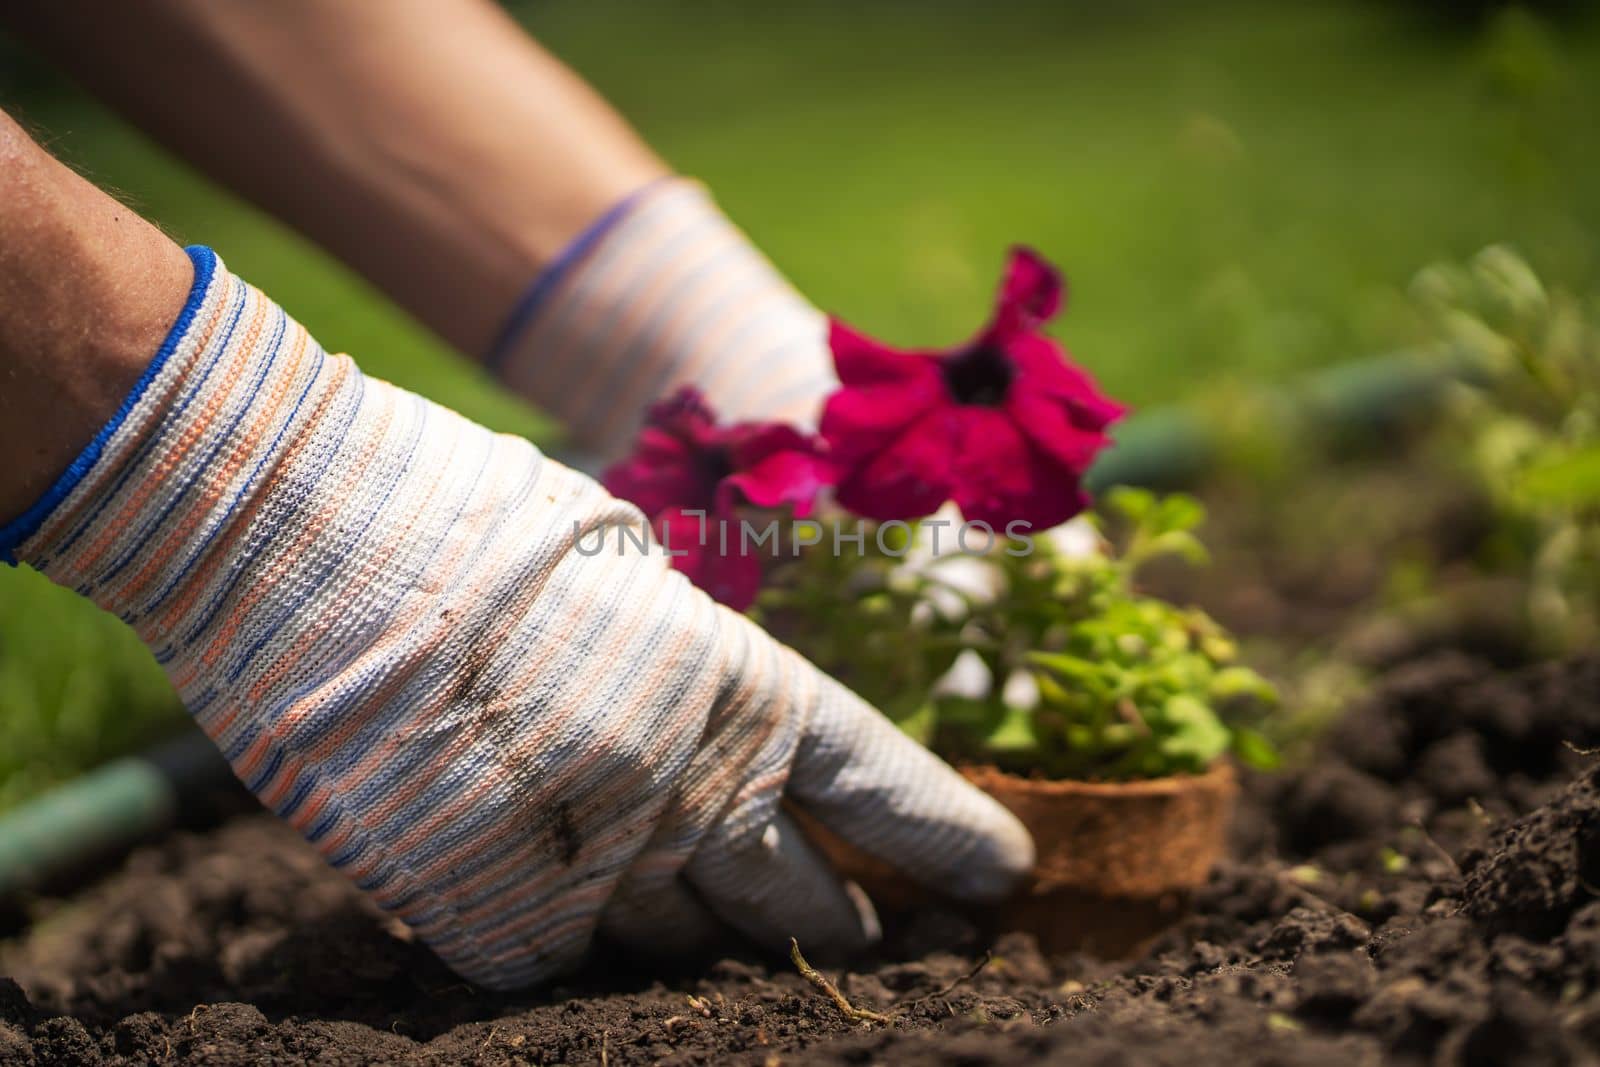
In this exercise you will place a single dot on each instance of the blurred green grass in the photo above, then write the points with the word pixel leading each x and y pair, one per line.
pixel 1236 190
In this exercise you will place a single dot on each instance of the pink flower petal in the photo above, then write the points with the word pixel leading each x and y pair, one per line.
pixel 751 442
pixel 686 415
pixel 1014 448
pixel 1052 496
pixel 860 421
pixel 999 477
pixel 1030 294
pixel 732 577
pixel 783 478
pixel 1042 368
pixel 910 478
pixel 860 360
pixel 773 465
pixel 1050 426
pixel 663 471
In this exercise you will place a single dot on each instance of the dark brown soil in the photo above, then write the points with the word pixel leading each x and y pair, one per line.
pixel 1424 892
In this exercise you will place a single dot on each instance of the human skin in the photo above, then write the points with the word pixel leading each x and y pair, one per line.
pixel 430 144
pixel 88 290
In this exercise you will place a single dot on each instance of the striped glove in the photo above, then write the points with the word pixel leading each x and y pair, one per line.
pixel 394 624
pixel 664 291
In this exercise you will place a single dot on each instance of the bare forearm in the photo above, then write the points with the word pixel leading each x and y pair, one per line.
pixel 429 143
pixel 87 291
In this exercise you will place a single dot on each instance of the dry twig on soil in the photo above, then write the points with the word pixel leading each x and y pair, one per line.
pixel 1442 852
pixel 818 979
pixel 988 958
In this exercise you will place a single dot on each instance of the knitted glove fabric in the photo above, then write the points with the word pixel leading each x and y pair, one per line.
pixel 660 292
pixel 396 626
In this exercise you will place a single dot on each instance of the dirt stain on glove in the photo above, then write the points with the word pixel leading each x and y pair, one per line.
pixel 566 835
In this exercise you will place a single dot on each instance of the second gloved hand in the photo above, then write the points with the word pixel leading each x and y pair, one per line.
pixel 380 612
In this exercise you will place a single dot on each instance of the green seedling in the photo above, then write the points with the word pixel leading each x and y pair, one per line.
pixel 1067 670
pixel 1526 431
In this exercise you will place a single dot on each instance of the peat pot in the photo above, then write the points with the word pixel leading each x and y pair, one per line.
pixel 1116 863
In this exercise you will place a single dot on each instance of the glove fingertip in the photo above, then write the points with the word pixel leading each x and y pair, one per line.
pixel 1000 860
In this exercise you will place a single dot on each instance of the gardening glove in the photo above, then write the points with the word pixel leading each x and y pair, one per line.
pixel 398 628
pixel 663 291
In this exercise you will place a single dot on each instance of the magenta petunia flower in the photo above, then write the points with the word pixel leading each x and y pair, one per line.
pixel 1004 425
pixel 690 476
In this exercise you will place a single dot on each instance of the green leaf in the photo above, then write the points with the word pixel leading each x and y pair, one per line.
pixel 920 724
pixel 1179 512
pixel 1194 731
pixel 1121 735
pixel 1570 479
pixel 1180 544
pixel 1509 274
pixel 1219 648
pixel 1050 690
pixel 1130 502
pixel 1254 750
pixel 1393 862
pixel 1242 683
pixel 1014 734
pixel 974 717
pixel 1073 668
